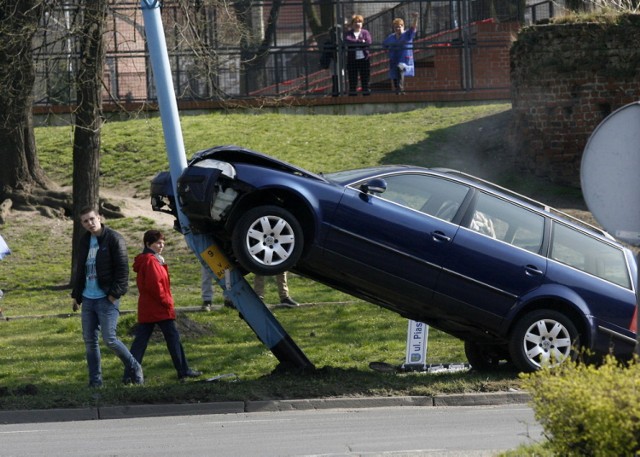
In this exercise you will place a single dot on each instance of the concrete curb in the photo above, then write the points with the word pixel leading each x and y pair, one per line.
pixel 190 409
pixel 487 399
pixel 235 407
pixel 336 403
pixel 48 415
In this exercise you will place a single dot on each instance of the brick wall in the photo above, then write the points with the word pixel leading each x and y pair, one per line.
pixel 492 66
pixel 566 78
pixel 440 67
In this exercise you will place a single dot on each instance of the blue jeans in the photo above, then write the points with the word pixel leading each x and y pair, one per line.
pixel 102 315
pixel 172 338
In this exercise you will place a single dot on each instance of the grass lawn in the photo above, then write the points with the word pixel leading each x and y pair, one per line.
pixel 42 361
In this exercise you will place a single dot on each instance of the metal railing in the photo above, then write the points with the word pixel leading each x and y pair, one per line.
pixel 267 49
pixel 540 11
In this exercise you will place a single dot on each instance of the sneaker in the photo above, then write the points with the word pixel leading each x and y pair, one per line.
pixel 228 303
pixel 288 302
pixel 190 374
pixel 206 305
pixel 135 374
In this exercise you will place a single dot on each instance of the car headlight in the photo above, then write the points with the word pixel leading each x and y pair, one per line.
pixel 221 202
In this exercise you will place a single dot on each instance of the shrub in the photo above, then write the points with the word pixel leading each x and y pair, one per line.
pixel 588 410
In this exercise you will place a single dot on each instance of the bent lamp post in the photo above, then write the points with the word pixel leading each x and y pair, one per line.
pixel 251 308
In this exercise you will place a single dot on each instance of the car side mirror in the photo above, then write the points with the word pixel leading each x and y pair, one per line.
pixel 374 186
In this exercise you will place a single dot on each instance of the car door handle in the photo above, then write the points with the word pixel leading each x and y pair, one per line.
pixel 532 270
pixel 439 236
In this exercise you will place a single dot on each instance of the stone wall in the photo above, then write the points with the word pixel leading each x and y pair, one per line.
pixel 566 78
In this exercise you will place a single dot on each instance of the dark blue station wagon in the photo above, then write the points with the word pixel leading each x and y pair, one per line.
pixel 511 277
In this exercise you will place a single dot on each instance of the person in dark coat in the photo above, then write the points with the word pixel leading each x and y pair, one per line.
pixel 329 58
pixel 156 306
pixel 102 278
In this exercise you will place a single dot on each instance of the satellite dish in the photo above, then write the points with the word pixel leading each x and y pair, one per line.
pixel 610 173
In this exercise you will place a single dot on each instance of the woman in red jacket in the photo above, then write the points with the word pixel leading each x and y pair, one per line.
pixel 155 304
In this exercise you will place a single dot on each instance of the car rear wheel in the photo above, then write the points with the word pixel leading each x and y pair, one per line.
pixel 267 240
pixel 481 356
pixel 543 338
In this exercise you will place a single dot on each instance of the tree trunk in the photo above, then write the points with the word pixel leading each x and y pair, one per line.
pixel 88 117
pixel 254 52
pixel 320 24
pixel 20 173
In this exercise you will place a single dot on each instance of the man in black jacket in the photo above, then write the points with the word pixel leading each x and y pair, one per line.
pixel 103 254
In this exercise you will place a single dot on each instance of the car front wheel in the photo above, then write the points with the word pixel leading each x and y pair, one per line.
pixel 267 240
pixel 543 338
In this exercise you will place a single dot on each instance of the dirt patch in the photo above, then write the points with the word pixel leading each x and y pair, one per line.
pixel 135 206
pixel 188 328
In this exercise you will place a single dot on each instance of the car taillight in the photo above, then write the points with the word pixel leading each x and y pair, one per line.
pixel 634 321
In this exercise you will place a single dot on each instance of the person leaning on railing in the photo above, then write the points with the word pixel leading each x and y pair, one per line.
pixel 400 47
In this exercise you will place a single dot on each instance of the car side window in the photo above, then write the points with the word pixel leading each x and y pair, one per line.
pixel 428 194
pixel 508 222
pixel 579 250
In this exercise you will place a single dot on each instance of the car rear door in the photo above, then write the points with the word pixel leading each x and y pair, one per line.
pixel 391 244
pixel 494 259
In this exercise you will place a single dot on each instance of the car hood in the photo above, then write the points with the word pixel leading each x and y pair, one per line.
pixel 236 154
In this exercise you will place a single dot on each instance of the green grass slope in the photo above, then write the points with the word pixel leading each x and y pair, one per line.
pixel 42 361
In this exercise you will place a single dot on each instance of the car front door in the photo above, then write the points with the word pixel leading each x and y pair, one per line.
pixel 392 245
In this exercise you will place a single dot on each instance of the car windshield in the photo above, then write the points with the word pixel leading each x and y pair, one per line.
pixel 349 176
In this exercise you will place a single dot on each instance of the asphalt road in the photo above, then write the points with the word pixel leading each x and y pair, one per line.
pixel 385 431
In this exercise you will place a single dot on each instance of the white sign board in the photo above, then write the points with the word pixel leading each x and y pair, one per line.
pixel 609 173
pixel 417 336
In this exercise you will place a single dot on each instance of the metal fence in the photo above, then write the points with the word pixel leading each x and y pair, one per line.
pixel 540 11
pixel 246 49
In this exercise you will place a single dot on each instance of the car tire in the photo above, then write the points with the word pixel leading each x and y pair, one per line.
pixel 481 357
pixel 543 338
pixel 267 240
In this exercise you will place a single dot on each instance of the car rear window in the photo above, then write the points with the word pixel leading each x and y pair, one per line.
pixel 579 250
pixel 508 222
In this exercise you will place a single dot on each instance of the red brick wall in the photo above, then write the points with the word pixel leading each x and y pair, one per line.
pixel 440 66
pixel 492 66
